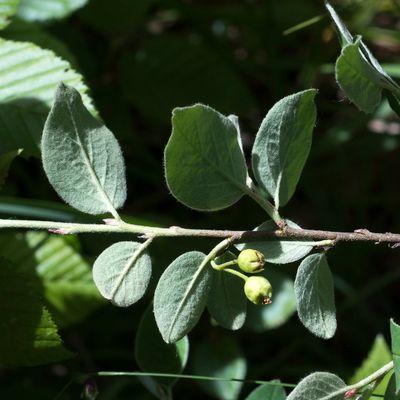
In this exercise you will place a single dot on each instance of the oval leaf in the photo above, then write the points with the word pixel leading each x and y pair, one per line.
pixel 81 157
pixel 279 251
pixel 283 306
pixel 154 355
pixel 283 143
pixel 204 164
pixel 226 301
pixel 223 359
pixel 181 295
pixel 315 296
pixel 319 386
pixel 122 272
pixel 272 391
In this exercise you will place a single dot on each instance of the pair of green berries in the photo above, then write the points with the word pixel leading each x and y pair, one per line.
pixel 257 288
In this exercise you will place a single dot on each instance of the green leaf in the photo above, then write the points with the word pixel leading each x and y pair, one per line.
pixel 81 157
pixel 181 295
pixel 319 386
pixel 220 358
pixel 44 10
pixel 268 392
pixel 390 393
pixel 262 318
pixel 279 251
pixel 29 77
pixel 204 163
pixel 28 335
pixel 166 63
pixel 283 143
pixel 5 161
pixel 22 31
pixel 315 296
pixel 378 356
pixel 341 27
pixel 358 78
pixel 395 336
pixel 154 355
pixel 226 301
pixel 65 277
pixel 122 272
pixel 7 9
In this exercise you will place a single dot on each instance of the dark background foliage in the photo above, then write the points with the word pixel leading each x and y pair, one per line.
pixel 143 58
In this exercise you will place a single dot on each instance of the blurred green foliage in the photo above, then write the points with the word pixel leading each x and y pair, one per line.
pixel 142 58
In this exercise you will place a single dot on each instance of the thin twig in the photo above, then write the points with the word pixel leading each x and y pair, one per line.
pixel 359 235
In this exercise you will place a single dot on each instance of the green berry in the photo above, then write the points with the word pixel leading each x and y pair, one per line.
pixel 258 290
pixel 251 261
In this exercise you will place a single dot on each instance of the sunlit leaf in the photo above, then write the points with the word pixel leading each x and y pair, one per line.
pixel 81 157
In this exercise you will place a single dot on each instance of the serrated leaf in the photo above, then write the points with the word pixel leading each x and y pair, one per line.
pixel 358 78
pixel 221 358
pixel 267 391
pixel 395 336
pixel 181 295
pixel 23 31
pixel 319 386
pixel 44 10
pixel 7 9
pixel 154 355
pixel 122 272
pixel 279 251
pixel 283 143
pixel 186 72
pixel 5 161
pixel 378 356
pixel 226 301
pixel 66 278
pixel 204 165
pixel 81 157
pixel 313 288
pixel 29 77
pixel 262 318
pixel 28 335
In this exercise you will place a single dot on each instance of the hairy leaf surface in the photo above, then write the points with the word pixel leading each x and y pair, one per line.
pixel 283 143
pixel 122 273
pixel 81 157
pixel 181 295
pixel 204 163
pixel 319 386
pixel 315 296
